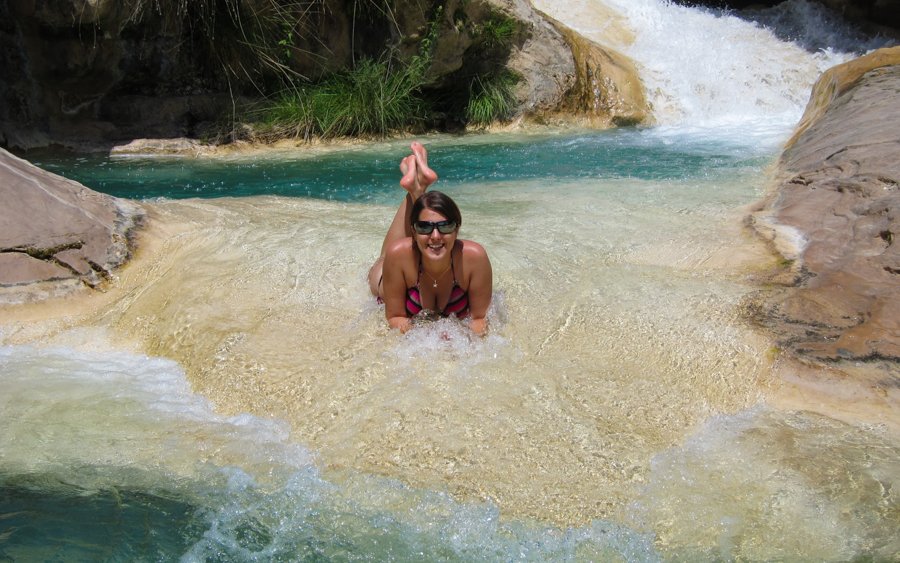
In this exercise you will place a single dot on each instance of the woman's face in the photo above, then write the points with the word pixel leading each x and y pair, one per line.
pixel 434 244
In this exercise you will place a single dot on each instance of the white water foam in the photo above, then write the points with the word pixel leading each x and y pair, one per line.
pixel 82 407
pixel 715 70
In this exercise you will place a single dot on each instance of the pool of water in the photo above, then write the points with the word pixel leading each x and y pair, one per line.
pixel 369 173
pixel 238 396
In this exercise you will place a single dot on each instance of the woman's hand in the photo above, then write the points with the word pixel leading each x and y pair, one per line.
pixel 403 323
pixel 479 326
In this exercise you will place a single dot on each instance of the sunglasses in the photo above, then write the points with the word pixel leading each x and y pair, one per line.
pixel 426 227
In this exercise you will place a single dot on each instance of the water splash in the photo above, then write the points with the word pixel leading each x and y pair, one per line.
pixel 121 443
pixel 717 70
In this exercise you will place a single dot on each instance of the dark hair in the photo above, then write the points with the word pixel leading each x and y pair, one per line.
pixel 436 201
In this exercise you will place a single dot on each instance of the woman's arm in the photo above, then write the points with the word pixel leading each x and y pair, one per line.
pixel 394 284
pixel 481 285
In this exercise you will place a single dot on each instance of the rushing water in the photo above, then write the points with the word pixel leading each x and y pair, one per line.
pixel 237 395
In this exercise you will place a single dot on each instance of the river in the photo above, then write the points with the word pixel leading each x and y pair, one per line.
pixel 238 396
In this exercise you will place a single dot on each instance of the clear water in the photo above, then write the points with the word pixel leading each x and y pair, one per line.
pixel 370 174
pixel 237 395
pixel 616 410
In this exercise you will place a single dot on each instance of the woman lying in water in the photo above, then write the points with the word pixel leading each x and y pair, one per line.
pixel 423 266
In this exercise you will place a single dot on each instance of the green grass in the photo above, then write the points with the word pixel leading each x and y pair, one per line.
pixel 372 99
pixel 491 99
pixel 497 31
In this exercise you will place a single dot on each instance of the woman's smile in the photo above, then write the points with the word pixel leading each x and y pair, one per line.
pixel 434 244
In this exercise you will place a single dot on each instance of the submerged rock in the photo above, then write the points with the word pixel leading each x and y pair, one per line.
pixel 835 217
pixel 57 235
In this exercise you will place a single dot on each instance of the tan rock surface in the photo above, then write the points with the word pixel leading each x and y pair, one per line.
pixel 608 88
pixel 56 234
pixel 835 216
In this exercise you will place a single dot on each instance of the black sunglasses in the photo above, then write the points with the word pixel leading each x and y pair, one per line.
pixel 426 227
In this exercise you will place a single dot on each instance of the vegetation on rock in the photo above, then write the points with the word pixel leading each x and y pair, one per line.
pixel 85 74
pixel 375 97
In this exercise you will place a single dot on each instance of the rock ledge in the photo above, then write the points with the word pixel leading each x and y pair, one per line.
pixel 56 235
pixel 834 216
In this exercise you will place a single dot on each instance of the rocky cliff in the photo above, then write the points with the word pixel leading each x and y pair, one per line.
pixel 94 73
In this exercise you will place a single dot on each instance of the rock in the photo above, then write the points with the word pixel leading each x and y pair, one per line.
pixel 159 146
pixel 87 75
pixel 56 235
pixel 874 16
pixel 607 87
pixel 93 75
pixel 835 212
pixel 543 60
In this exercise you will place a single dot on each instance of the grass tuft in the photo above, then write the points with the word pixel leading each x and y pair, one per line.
pixel 372 99
pixel 491 98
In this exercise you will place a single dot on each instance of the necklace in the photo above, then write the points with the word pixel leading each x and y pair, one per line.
pixel 435 279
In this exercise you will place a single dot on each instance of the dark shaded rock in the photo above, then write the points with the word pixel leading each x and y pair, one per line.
pixel 56 234
pixel 835 214
pixel 876 16
pixel 92 75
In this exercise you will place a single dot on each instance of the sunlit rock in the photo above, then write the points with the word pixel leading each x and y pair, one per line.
pixel 839 185
pixel 56 235
pixel 608 88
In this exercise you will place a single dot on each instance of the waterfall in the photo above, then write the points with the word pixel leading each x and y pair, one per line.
pixel 712 69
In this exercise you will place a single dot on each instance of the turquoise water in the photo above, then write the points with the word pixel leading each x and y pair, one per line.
pixel 370 174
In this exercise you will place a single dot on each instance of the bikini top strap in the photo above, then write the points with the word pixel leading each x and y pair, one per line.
pixel 452 266
pixel 419 275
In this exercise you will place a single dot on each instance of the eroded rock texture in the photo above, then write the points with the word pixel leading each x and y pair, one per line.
pixel 56 235
pixel 836 215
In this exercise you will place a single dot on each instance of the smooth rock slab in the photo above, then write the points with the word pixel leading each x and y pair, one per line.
pixel 836 215
pixel 56 234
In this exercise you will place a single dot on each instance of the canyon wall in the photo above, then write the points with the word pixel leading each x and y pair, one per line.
pixel 90 74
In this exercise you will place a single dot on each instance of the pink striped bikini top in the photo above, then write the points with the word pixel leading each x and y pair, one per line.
pixel 458 304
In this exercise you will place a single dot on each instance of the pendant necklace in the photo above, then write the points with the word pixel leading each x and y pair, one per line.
pixel 435 279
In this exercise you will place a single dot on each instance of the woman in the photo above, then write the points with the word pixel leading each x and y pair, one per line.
pixel 424 268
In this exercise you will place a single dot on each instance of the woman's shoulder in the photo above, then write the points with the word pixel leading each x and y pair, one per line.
pixel 471 249
pixel 400 248
pixel 474 254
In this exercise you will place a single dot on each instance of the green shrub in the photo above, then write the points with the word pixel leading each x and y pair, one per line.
pixel 491 98
pixel 497 31
pixel 372 99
